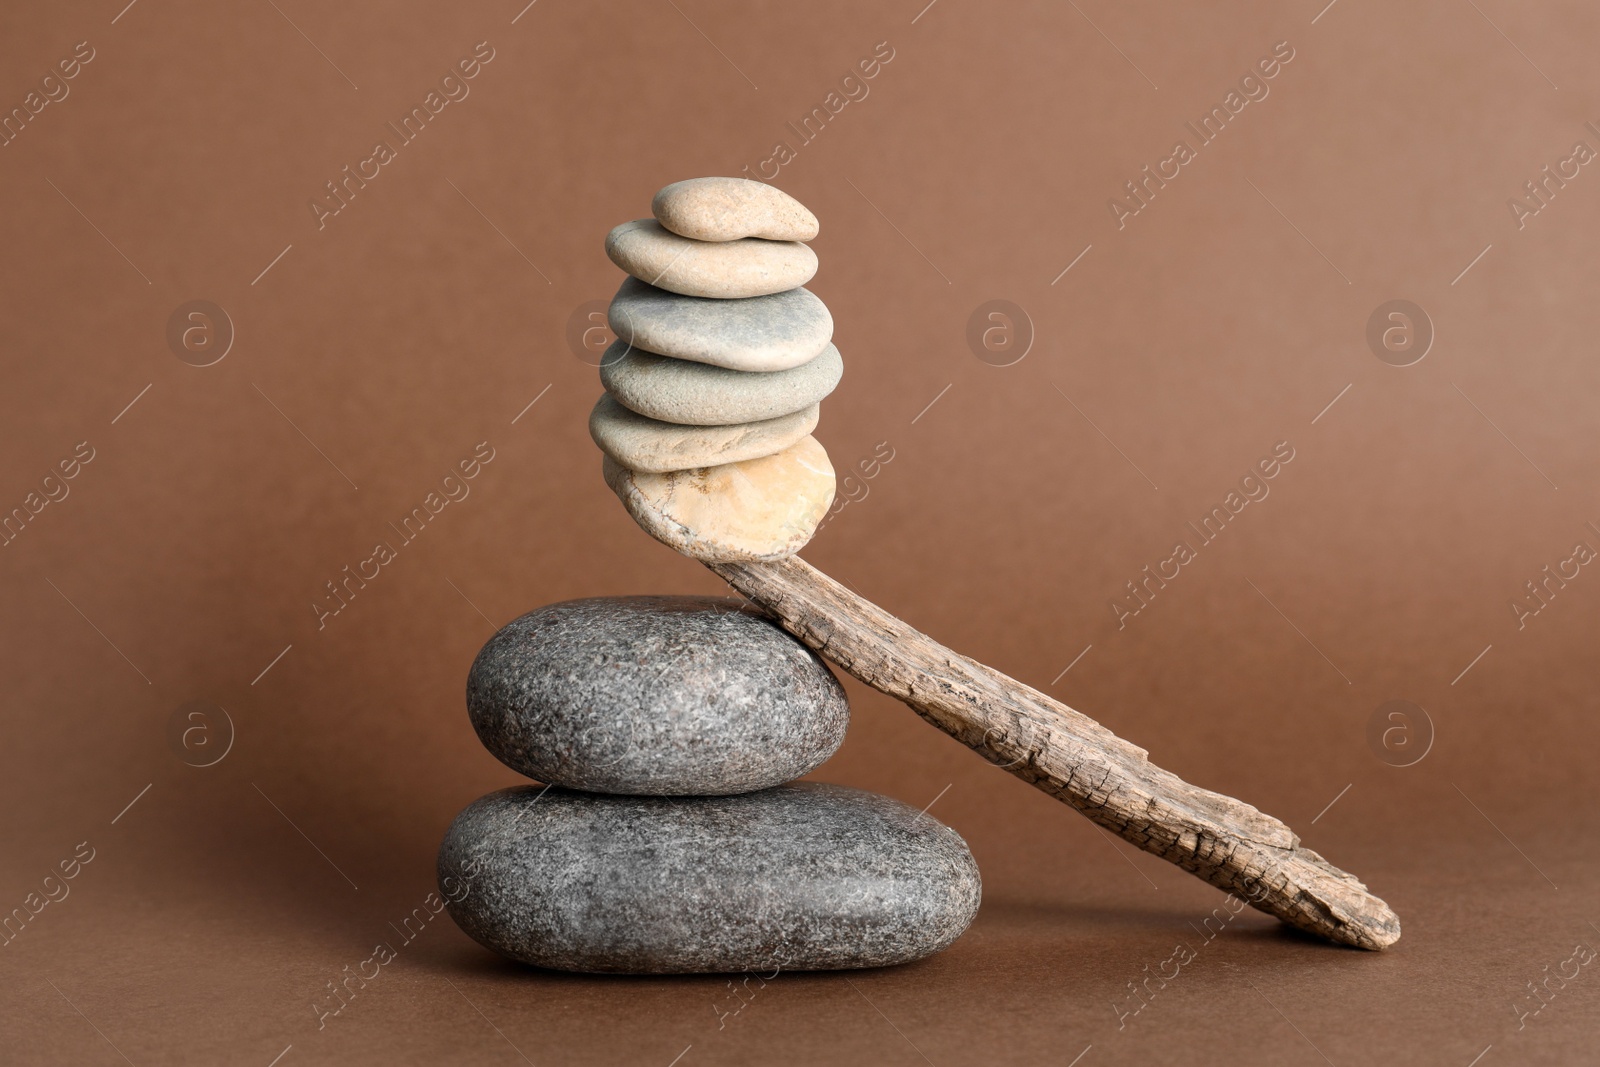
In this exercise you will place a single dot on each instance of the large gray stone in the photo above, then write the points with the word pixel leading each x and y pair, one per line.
pixel 802 877
pixel 759 333
pixel 698 394
pixel 645 444
pixel 663 695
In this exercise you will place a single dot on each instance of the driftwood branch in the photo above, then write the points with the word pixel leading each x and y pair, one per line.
pixel 1070 756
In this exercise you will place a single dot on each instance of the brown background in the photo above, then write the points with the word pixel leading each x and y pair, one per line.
pixel 407 330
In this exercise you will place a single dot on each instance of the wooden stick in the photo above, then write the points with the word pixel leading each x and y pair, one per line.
pixel 1070 756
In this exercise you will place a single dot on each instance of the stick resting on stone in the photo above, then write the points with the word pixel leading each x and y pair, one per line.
pixel 1070 756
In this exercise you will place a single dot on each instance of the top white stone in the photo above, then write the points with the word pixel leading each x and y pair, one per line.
pixel 726 209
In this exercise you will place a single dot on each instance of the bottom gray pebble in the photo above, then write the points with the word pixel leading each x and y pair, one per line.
pixel 805 876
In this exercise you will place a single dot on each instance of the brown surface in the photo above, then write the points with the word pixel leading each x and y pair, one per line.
pixel 408 330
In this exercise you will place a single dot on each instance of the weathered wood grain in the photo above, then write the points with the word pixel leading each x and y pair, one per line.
pixel 1067 754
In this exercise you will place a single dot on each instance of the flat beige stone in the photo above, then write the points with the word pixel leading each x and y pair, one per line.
pixel 645 444
pixel 726 209
pixel 725 270
pixel 758 510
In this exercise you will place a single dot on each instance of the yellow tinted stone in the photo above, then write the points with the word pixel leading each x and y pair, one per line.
pixel 759 509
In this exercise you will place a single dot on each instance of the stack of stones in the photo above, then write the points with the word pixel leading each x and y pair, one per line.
pixel 671 835
pixel 713 384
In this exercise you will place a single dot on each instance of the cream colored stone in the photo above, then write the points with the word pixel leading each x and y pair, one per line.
pixel 645 444
pixel 758 510
pixel 725 270
pixel 726 209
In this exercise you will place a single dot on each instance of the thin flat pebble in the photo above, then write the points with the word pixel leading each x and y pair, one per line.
pixel 757 333
pixel 759 509
pixel 726 209
pixel 724 270
pixel 698 394
pixel 802 877
pixel 658 695
pixel 646 444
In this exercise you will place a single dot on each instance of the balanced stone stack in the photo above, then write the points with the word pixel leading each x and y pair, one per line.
pixel 671 835
pixel 713 384
pixel 669 838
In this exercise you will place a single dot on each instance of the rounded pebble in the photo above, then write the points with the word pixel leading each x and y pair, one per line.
pixel 724 270
pixel 645 444
pixel 726 209
pixel 757 510
pixel 756 333
pixel 698 394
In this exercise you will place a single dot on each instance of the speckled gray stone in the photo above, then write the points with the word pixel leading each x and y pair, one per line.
pixel 662 695
pixel 645 444
pixel 802 877
pixel 698 394
pixel 759 333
